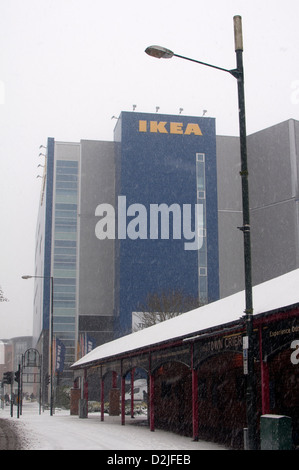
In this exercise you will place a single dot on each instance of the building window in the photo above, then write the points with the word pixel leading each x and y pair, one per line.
pixel 202 253
pixel 202 271
pixel 200 157
pixel 65 255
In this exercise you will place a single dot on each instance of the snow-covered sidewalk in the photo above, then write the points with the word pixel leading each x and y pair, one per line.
pixel 65 432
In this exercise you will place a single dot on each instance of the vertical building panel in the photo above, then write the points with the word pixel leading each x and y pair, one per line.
pixel 158 165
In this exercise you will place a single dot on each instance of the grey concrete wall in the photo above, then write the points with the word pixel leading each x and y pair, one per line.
pixel 96 259
pixel 273 164
pixel 273 183
pixel 231 265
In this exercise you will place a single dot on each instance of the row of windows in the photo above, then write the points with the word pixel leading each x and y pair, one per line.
pixel 65 289
pixel 203 287
pixel 61 282
pixel 65 258
pixel 66 197
pixel 64 304
pixel 60 312
pixel 65 244
pixel 64 170
pixel 202 257
pixel 63 328
pixel 66 236
pixel 64 320
pixel 71 273
pixel 66 185
pixel 65 229
pixel 67 338
pixel 71 214
pixel 65 207
pixel 65 254
pixel 69 194
pixel 64 282
pixel 202 254
pixel 65 251
pixel 64 296
pixel 64 265
pixel 67 163
pixel 202 223
pixel 66 177
pixel 59 221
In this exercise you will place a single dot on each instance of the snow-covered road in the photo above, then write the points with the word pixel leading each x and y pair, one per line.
pixel 65 432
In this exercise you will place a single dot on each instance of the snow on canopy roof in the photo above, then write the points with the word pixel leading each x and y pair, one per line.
pixel 279 292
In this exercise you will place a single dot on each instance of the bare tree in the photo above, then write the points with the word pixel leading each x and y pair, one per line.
pixel 162 306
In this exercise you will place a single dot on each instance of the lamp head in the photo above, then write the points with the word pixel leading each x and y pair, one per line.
pixel 159 52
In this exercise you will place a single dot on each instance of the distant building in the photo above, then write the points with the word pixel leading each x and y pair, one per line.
pixel 99 278
pixel 273 164
pixel 78 176
pixel 111 226
pixel 11 356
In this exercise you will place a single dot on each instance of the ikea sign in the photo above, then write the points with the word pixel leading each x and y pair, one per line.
pixel 164 127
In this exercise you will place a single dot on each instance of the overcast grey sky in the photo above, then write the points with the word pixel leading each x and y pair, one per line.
pixel 68 66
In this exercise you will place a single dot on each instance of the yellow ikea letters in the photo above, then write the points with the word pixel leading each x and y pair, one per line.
pixel 158 127
pixel 163 127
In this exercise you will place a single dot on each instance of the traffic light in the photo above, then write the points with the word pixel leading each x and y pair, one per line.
pixel 7 378
pixel 17 376
pixel 47 379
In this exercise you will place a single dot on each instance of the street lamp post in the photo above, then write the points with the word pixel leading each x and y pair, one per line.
pixel 51 334
pixel 161 52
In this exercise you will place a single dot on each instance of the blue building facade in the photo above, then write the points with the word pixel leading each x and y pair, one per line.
pixel 165 171
pixel 158 179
